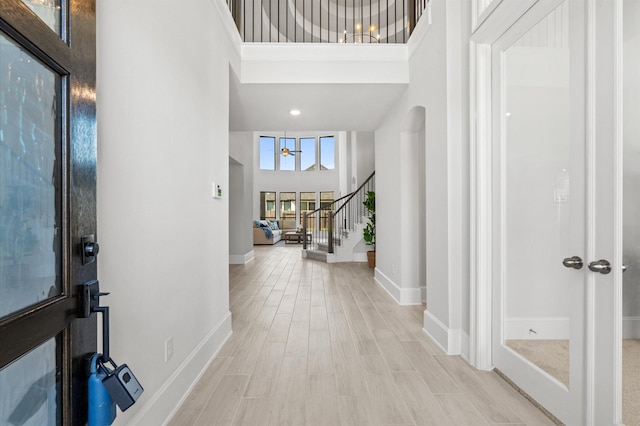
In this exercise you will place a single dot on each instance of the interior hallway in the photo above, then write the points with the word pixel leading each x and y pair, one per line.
pixel 320 344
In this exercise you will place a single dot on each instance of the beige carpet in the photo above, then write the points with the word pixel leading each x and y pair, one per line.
pixel 631 382
pixel 550 355
pixel 553 357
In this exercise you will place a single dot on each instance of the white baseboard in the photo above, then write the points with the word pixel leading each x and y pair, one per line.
pixel 451 341
pixel 464 346
pixel 241 259
pixel 454 341
pixel 359 257
pixel 435 342
pixel 536 328
pixel 404 296
pixel 163 404
pixel 631 328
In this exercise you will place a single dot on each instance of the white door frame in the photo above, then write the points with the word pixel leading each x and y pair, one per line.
pixel 490 26
pixel 491 18
pixel 604 396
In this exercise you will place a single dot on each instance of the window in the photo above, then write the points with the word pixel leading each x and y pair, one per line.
pixel 303 154
pixel 326 198
pixel 287 205
pixel 268 205
pixel 267 153
pixel 288 162
pixel 308 154
pixel 327 153
pixel 307 205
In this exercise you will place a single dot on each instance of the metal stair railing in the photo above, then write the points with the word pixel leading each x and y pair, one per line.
pixel 316 224
pixel 351 211
pixel 332 222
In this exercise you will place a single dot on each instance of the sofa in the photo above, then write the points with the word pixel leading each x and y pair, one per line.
pixel 276 230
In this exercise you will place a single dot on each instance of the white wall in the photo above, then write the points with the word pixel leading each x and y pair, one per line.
pixel 438 83
pixel 388 245
pixel 240 197
pixel 430 60
pixel 412 226
pixel 364 157
pixel 464 183
pixel 162 140
pixel 317 63
pixel 344 163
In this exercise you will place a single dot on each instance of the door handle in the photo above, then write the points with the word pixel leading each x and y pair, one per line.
pixel 603 266
pixel 573 262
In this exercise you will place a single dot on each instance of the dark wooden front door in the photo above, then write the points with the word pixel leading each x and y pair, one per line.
pixel 47 204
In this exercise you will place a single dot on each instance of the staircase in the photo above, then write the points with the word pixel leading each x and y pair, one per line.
pixel 337 228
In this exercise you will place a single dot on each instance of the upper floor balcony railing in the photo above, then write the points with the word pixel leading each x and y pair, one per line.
pixel 326 21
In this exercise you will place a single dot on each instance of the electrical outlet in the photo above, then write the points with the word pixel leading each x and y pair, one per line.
pixel 168 349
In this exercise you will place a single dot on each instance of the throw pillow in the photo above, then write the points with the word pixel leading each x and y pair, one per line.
pixel 274 225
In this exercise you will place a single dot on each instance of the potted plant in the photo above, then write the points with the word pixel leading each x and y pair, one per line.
pixel 370 229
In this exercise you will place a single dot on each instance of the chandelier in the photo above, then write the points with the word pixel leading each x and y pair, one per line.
pixel 360 36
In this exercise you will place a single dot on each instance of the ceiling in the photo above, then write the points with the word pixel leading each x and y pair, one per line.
pixel 265 107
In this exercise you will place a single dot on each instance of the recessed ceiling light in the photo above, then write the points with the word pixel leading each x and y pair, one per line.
pixel 294 112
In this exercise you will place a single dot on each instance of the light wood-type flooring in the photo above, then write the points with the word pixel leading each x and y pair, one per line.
pixel 323 344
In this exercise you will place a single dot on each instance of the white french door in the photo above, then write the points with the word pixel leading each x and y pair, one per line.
pixel 553 192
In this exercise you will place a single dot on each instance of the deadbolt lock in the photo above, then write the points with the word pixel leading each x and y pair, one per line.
pixel 90 249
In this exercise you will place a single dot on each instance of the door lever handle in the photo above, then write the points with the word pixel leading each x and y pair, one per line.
pixel 573 262
pixel 603 266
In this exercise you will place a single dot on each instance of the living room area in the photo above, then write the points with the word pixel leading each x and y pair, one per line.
pixel 275 177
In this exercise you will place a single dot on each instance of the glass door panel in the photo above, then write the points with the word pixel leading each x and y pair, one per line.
pixel 30 180
pixel 49 11
pixel 30 388
pixel 542 202
pixel 539 208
